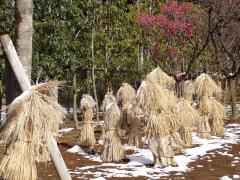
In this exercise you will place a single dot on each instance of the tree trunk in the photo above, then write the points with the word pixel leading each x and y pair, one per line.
pixel 74 87
pixel 232 83
pixel 23 31
pixel 226 93
pixel 93 76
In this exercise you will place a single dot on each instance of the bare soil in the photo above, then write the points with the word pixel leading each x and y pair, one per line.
pixel 209 167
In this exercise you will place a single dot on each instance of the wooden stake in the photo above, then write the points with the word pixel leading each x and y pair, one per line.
pixel 25 84
pixel 15 63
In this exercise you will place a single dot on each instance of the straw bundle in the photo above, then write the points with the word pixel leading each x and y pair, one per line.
pixel 177 143
pixel 125 97
pixel 134 123
pixel 112 148
pixel 208 106
pixel 218 112
pixel 158 130
pixel 186 136
pixel 163 80
pixel 87 137
pixel 173 125
pixel 164 124
pixel 158 103
pixel 162 151
pixel 30 119
pixel 206 86
pixel 108 99
pixel 203 128
pixel 188 90
pixel 153 98
pixel 187 115
pixel 157 125
pixel 205 106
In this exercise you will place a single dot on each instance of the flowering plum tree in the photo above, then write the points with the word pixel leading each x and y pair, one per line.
pixel 172 19
pixel 170 29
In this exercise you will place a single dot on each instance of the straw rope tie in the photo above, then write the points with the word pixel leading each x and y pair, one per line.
pixel 204 132
pixel 28 141
pixel 88 123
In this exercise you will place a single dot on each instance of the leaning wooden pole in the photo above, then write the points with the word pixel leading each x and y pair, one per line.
pixel 25 84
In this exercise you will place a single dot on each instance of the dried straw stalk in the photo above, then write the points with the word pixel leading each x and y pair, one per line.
pixel 203 128
pixel 158 102
pixel 186 136
pixel 176 141
pixel 87 137
pixel 30 119
pixel 108 99
pixel 218 112
pixel 187 117
pixel 215 111
pixel 159 140
pixel 163 80
pixel 162 151
pixel 153 98
pixel 206 86
pixel 134 122
pixel 208 106
pixel 188 90
pixel 165 123
pixel 125 97
pixel 112 148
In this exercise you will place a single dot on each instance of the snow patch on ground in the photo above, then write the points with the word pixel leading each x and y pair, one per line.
pixel 225 178
pixel 66 130
pixel 236 176
pixel 141 161
pixel 79 150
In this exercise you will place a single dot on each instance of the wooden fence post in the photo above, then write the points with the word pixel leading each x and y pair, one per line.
pixel 25 84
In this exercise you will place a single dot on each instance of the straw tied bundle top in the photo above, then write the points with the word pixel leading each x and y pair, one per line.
pixel 213 111
pixel 87 137
pixel 30 119
pixel 108 99
pixel 134 123
pixel 112 147
pixel 157 103
pixel 188 117
pixel 130 116
pixel 125 97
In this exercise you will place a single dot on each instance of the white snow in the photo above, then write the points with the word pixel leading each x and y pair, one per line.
pixel 3 116
pixel 79 150
pixel 76 149
pixel 236 176
pixel 66 130
pixel 225 178
pixel 141 161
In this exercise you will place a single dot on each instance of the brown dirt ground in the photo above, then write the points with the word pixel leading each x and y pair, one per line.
pixel 202 169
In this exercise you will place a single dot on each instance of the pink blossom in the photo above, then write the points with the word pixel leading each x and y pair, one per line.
pixel 171 19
